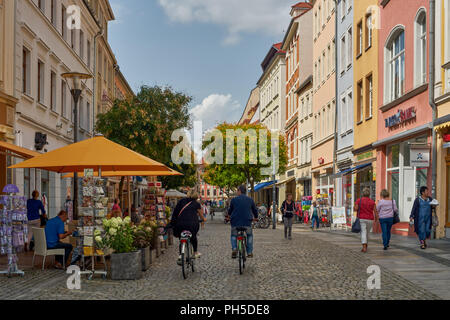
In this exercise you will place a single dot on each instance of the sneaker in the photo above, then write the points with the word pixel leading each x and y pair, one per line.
pixel 234 254
pixel 197 255
pixel 250 255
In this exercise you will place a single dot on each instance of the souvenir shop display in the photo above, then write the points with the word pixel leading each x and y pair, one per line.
pixel 154 207
pixel 306 205
pixel 13 228
pixel 92 211
pixel 323 201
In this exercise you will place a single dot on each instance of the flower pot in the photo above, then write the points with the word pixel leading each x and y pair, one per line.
pixel 126 266
pixel 145 258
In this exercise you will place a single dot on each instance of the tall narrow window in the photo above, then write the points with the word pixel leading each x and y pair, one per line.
pixel 343 113
pixel 350 110
pixel 73 35
pixel 329 60
pixel 360 39
pixel 421 49
pixel 369 30
pixel 63 98
pixel 88 116
pixel 369 97
pixel 63 22
pixel 343 54
pixel 359 101
pixel 349 47
pixel 88 47
pixel 25 71
pixel 81 120
pixel 40 82
pixel 53 91
pixel 81 45
pixel 53 16
pixel 41 5
pixel 396 66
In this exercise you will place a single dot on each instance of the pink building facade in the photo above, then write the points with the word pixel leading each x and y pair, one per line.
pixel 404 114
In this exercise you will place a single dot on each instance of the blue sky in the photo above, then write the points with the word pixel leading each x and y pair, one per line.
pixel 210 49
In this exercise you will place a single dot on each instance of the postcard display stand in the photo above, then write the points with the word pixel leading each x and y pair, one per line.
pixel 155 203
pixel 324 209
pixel 13 231
pixel 92 211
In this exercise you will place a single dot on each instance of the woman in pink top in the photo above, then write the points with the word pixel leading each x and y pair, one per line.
pixel 386 209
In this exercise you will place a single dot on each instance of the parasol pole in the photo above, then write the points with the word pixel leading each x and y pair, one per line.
pixel 129 196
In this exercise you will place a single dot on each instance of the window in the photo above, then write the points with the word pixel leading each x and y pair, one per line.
pixel 40 82
pixel 320 72
pixel 369 97
pixel 350 110
pixel 88 45
pixel 25 71
pixel 343 53
pixel 53 16
pixel 359 101
pixel 343 9
pixel 41 5
pixel 81 45
pixel 53 91
pixel 369 30
pixel 343 113
pixel 88 115
pixel 323 65
pixel 329 60
pixel 360 39
pixel 421 49
pixel 349 47
pixel 63 22
pixel 333 50
pixel 63 98
pixel 81 116
pixel 330 124
pixel 395 69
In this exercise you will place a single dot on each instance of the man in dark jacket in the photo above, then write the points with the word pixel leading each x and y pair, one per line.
pixel 242 212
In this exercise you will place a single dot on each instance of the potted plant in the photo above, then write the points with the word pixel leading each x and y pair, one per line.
pixel 126 261
pixel 142 240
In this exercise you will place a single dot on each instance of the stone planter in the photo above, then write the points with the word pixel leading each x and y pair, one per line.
pixel 126 266
pixel 145 258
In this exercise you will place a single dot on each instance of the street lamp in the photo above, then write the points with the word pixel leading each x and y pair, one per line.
pixel 75 78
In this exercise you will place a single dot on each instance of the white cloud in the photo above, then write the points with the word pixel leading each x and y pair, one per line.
pixel 216 108
pixel 267 17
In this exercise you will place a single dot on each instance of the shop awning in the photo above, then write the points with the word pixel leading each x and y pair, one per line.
pixel 17 151
pixel 352 170
pixel 442 126
pixel 285 181
pixel 264 185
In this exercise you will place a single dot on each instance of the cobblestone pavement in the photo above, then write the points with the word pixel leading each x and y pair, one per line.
pixel 304 268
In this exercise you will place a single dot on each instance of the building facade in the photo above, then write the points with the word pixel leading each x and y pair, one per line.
pixel 297 44
pixel 404 113
pixel 442 121
pixel 251 112
pixel 122 89
pixel 324 94
pixel 344 104
pixel 45 47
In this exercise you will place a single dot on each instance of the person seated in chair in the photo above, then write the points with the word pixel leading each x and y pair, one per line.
pixel 54 233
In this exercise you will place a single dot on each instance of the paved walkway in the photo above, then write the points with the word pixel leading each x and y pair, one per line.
pixel 311 266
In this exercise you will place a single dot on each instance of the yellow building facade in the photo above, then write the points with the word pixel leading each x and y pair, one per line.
pixel 365 88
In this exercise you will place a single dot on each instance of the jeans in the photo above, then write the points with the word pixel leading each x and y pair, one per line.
pixel 288 226
pixel 386 226
pixel 366 226
pixel 315 219
pixel 249 232
pixel 67 248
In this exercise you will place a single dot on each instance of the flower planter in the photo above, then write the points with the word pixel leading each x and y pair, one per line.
pixel 126 266
pixel 145 258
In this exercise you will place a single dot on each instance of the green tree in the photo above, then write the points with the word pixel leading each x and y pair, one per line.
pixel 230 176
pixel 145 122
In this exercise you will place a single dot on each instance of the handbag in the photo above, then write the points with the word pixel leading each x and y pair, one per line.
pixel 396 214
pixel 356 227
pixel 43 220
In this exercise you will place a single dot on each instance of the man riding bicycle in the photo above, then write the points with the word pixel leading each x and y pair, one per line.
pixel 242 212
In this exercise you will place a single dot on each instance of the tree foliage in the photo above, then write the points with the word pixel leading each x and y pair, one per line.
pixel 230 176
pixel 145 122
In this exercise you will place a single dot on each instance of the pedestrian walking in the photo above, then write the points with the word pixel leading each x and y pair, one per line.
pixel 386 209
pixel 366 209
pixel 421 214
pixel 36 216
pixel 287 209
pixel 314 216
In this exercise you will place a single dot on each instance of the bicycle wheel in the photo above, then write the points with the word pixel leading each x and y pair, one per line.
pixel 265 223
pixel 241 258
pixel 183 261
pixel 191 257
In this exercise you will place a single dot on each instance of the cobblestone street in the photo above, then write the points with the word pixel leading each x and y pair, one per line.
pixel 305 268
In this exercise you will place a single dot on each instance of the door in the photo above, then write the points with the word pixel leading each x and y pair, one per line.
pixel 409 193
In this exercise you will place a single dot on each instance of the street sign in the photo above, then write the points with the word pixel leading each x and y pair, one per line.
pixel 420 157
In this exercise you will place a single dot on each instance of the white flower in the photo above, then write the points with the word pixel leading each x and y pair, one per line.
pixel 127 220
pixel 113 231
pixel 97 232
pixel 98 239
pixel 114 223
pixel 106 223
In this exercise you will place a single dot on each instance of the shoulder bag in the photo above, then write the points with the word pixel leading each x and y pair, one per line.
pixel 356 227
pixel 396 214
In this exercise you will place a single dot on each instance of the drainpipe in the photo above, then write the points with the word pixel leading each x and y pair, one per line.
pixel 99 34
pixel 432 100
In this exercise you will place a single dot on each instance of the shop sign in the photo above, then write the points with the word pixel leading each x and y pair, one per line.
pixel 420 157
pixel 400 117
pixel 447 137
pixel 321 160
pixel 338 214
pixel 366 155
pixel 446 145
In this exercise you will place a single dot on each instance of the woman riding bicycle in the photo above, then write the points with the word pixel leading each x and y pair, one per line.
pixel 185 218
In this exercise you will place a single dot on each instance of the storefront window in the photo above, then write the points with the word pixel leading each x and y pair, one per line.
pixel 421 178
pixel 394 156
pixel 394 184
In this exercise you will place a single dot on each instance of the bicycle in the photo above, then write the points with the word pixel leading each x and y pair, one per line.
pixel 242 247
pixel 186 253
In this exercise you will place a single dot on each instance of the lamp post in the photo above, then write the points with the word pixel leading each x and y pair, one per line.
pixel 75 89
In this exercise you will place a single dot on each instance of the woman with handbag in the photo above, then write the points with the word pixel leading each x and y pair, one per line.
pixel 386 209
pixel 365 207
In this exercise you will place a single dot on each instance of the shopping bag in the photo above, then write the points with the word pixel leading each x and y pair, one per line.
pixel 356 227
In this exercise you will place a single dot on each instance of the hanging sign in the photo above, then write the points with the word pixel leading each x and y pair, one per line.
pixel 400 117
pixel 420 157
